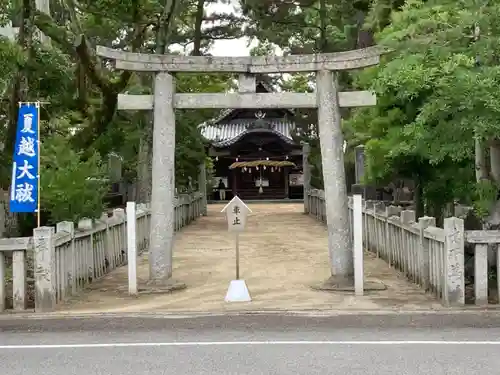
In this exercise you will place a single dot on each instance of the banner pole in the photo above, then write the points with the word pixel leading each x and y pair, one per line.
pixel 38 214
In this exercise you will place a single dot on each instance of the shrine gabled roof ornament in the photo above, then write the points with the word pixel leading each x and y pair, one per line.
pixel 260 122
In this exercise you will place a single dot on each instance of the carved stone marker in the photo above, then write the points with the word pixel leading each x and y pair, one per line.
pixel 45 269
pixel 327 99
pixel 359 163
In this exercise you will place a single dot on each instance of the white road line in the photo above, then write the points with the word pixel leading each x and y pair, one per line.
pixel 241 343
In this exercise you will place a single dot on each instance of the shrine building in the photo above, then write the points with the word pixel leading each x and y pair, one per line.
pixel 254 153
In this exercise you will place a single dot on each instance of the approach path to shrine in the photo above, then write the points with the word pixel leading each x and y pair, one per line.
pixel 283 254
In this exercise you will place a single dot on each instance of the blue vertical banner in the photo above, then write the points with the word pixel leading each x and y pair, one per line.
pixel 25 165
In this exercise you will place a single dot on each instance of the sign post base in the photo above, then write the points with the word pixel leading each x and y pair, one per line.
pixel 238 292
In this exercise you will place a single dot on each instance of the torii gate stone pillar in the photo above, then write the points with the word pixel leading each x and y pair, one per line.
pixel 327 99
pixel 163 180
pixel 334 182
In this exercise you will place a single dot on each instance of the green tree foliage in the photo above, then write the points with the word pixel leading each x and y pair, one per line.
pixel 437 89
pixel 81 90
pixel 11 57
pixel 306 26
pixel 436 93
pixel 71 187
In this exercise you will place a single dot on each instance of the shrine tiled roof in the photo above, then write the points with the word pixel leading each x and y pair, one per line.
pixel 226 134
pixel 228 128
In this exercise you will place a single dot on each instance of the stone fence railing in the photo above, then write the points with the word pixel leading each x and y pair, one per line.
pixel 429 256
pixel 59 262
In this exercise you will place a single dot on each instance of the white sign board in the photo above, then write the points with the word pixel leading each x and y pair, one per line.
pixel 236 213
pixel 296 179
pixel 131 248
pixel 264 182
pixel 357 215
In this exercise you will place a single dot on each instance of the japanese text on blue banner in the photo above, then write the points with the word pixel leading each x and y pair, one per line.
pixel 25 173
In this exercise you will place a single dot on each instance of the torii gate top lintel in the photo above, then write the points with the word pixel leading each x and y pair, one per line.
pixel 347 60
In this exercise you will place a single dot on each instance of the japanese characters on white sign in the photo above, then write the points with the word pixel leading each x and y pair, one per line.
pixel 25 174
pixel 236 214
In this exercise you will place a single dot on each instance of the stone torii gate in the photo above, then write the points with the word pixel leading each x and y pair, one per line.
pixel 327 99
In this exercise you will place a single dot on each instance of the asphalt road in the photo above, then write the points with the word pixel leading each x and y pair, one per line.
pixel 247 345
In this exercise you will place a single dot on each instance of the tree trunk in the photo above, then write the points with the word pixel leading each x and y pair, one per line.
pixel 145 162
pixel 495 161
pixel 480 160
pixel 323 40
pixel 492 222
pixel 197 28
pixel 9 224
pixel 418 197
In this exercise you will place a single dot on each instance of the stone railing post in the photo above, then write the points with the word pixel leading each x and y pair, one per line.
pixel 202 187
pixel 368 208
pixel 407 218
pixel 378 223
pixel 189 206
pixel 184 214
pixel 306 175
pixel 321 211
pixel 194 199
pixel 19 279
pixel 119 214
pixel 423 223
pixel 177 210
pixel 45 269
pixel 108 252
pixel 389 212
pixel 481 274
pixel 69 227
pixel 87 225
pixel 194 203
pixel 200 208
pixel 454 280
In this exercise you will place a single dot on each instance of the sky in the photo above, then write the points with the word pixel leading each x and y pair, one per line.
pixel 231 47
pixel 234 47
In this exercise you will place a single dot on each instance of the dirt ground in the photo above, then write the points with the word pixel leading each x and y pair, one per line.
pixel 283 254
